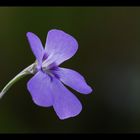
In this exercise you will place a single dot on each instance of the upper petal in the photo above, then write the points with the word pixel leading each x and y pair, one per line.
pixel 40 88
pixel 74 80
pixel 59 46
pixel 36 46
pixel 65 104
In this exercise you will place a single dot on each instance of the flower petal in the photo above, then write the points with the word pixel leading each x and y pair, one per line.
pixel 36 46
pixel 40 88
pixel 60 46
pixel 74 80
pixel 65 104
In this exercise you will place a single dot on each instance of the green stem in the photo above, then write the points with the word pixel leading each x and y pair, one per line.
pixel 23 73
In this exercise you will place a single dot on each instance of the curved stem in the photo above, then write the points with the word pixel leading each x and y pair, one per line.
pixel 23 73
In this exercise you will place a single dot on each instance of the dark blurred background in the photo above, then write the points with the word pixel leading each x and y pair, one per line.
pixel 108 57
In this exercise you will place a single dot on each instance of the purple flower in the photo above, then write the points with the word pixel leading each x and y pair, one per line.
pixel 46 86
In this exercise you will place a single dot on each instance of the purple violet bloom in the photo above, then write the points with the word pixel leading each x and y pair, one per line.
pixel 46 86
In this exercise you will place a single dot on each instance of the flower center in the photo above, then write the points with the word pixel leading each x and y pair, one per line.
pixel 50 70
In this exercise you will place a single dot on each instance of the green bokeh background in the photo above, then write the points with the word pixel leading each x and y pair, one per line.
pixel 108 57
